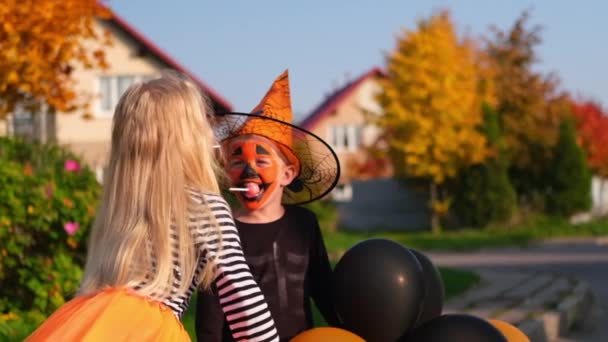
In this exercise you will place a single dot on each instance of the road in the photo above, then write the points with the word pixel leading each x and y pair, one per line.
pixel 584 259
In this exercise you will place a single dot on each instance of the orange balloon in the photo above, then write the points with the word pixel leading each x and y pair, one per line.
pixel 326 334
pixel 511 333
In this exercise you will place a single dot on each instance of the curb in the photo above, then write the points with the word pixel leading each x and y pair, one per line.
pixel 572 312
pixel 534 329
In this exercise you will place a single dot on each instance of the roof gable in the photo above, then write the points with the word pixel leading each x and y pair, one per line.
pixel 331 103
pixel 220 103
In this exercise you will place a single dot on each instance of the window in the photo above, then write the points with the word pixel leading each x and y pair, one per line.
pixel 38 125
pixel 105 89
pixel 111 87
pixel 124 82
pixel 23 123
pixel 339 137
pixel 344 137
pixel 353 138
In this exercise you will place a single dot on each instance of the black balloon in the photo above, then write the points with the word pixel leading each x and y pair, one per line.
pixel 456 328
pixel 378 290
pixel 432 306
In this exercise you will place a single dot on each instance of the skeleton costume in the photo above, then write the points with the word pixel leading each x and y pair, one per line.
pixel 287 257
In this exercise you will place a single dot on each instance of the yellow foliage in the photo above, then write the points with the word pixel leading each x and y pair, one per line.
pixel 41 42
pixel 72 243
pixel 441 208
pixel 9 316
pixel 68 202
pixel 432 101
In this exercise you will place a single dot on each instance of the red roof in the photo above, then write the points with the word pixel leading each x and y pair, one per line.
pixel 165 58
pixel 331 103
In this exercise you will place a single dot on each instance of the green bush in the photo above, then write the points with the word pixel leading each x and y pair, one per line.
pixel 484 193
pixel 570 181
pixel 47 205
pixel 17 326
pixel 486 196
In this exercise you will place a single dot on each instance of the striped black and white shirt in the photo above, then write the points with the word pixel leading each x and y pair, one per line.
pixel 242 301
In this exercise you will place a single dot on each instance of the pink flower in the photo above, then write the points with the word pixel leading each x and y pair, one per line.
pixel 71 166
pixel 71 227
pixel 49 191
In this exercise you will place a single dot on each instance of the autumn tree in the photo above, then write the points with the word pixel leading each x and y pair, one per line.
pixel 528 103
pixel 41 43
pixel 592 129
pixel 432 107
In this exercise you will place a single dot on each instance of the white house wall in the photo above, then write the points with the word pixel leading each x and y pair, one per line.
pixel 91 137
pixel 599 193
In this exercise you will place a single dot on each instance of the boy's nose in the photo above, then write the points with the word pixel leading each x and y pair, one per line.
pixel 249 172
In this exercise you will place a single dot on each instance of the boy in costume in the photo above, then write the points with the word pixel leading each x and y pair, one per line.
pixel 276 166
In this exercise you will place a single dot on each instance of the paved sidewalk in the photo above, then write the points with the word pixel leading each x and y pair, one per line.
pixel 544 305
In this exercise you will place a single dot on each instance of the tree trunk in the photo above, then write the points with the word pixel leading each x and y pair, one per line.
pixel 42 124
pixel 435 225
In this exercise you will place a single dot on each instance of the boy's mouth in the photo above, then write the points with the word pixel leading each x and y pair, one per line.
pixel 255 190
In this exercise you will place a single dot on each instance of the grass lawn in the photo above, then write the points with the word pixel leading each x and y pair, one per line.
pixel 534 229
pixel 455 281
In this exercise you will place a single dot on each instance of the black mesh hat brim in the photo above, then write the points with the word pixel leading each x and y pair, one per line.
pixel 319 164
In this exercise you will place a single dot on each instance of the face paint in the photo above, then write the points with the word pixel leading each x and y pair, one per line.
pixel 253 165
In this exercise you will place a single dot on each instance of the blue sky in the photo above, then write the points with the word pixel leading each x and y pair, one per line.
pixel 238 47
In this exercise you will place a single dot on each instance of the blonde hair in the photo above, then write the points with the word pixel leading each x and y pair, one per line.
pixel 162 143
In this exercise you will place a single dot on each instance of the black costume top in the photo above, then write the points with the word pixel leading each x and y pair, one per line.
pixel 289 262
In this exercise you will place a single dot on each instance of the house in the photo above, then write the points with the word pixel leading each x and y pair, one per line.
pixel 367 195
pixel 132 57
pixel 341 121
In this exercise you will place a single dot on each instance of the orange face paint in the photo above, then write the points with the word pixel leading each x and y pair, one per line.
pixel 253 165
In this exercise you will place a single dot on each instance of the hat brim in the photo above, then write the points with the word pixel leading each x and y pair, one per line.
pixel 319 164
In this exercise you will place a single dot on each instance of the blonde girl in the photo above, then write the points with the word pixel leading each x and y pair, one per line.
pixel 162 230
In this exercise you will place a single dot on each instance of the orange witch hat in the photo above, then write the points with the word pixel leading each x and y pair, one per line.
pixel 318 165
pixel 276 105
